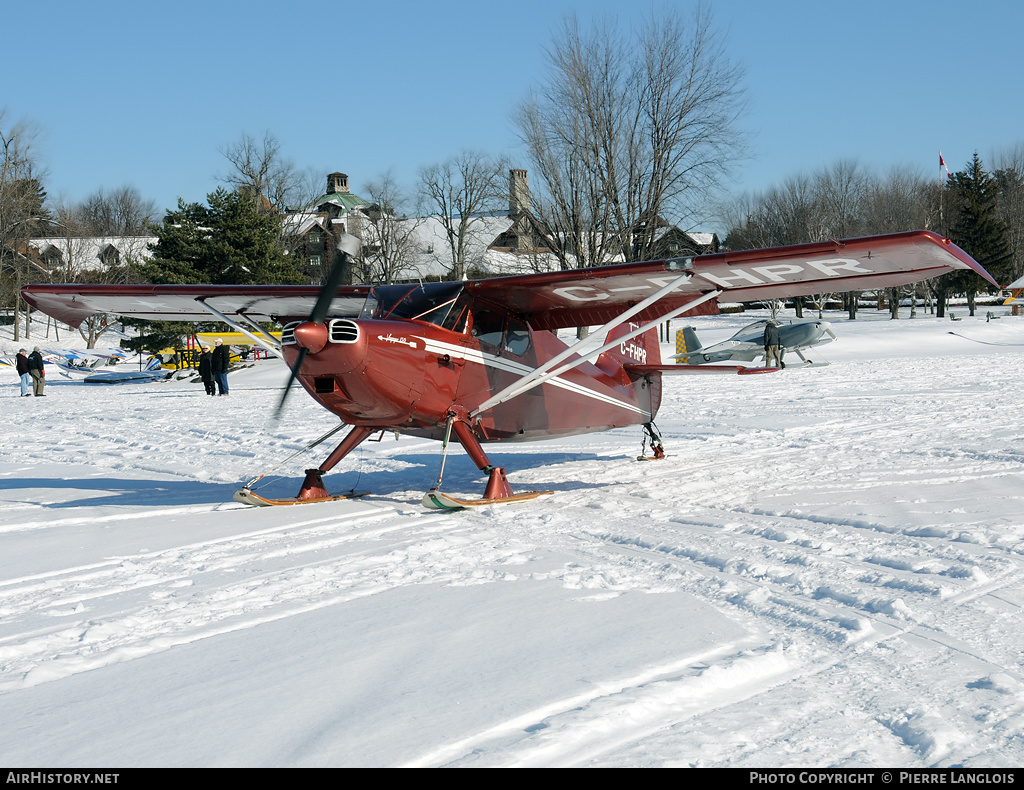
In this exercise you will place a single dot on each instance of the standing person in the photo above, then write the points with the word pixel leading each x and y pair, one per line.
pixel 35 370
pixel 220 362
pixel 772 341
pixel 206 370
pixel 21 362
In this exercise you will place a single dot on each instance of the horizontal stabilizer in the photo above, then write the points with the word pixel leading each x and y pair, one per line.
pixel 646 370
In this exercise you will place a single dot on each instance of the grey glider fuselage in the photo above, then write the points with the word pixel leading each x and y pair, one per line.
pixel 748 343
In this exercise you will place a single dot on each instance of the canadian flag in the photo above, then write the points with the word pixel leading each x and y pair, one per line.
pixel 942 164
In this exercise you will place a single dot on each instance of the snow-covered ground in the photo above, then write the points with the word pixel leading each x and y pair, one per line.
pixel 828 570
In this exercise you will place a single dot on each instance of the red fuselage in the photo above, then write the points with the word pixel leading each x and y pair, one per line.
pixel 408 375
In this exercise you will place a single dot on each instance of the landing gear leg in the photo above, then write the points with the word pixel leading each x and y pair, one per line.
pixel 497 484
pixel 313 485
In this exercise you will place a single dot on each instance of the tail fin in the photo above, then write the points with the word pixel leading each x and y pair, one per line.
pixel 687 343
pixel 640 350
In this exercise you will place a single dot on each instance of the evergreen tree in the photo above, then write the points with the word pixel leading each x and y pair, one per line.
pixel 181 252
pixel 976 228
pixel 244 242
pixel 230 241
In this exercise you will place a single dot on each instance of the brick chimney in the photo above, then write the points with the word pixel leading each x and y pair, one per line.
pixel 518 193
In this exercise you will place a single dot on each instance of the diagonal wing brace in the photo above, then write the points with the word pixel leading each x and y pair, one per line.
pixel 274 348
pixel 545 372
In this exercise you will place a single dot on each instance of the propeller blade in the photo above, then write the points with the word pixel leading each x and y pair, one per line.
pixel 327 292
pixel 288 386
pixel 348 246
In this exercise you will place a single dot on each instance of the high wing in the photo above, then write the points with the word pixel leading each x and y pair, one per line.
pixel 585 297
pixel 553 300
pixel 74 303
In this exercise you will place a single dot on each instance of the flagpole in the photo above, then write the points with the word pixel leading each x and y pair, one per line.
pixel 942 216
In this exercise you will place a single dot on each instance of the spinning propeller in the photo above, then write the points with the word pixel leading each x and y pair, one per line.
pixel 311 334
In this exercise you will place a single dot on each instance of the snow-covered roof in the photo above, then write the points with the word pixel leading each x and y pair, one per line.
pixel 431 257
pixel 90 252
pixel 301 224
pixel 703 239
pixel 344 200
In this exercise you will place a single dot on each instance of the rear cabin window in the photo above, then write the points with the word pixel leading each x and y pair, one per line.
pixel 517 337
pixel 500 331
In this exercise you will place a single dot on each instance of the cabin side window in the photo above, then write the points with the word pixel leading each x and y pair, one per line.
pixel 488 326
pixel 498 330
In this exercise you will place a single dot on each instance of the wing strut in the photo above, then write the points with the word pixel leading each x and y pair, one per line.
pixel 544 372
pixel 260 331
pixel 238 327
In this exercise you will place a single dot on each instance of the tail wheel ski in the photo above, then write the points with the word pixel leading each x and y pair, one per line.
pixel 652 437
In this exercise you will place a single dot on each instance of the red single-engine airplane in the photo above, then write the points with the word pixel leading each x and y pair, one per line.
pixel 480 359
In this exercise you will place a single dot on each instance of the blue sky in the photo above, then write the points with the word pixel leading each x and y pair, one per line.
pixel 147 94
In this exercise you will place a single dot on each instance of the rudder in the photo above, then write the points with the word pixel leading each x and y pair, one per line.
pixel 687 343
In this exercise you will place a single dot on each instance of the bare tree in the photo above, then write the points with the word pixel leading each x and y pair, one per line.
pixel 389 234
pixel 841 200
pixel 787 214
pixel 23 212
pixel 76 256
pixel 628 130
pixel 899 201
pixel 841 189
pixel 572 127
pixel 119 212
pixel 461 190
pixel 260 170
pixel 1009 175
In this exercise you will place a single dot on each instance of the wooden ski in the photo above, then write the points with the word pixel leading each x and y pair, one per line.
pixel 248 497
pixel 437 500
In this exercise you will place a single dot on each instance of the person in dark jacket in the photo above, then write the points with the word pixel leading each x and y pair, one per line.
pixel 21 363
pixel 35 370
pixel 221 362
pixel 206 370
pixel 772 341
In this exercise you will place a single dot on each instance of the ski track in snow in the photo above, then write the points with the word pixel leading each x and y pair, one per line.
pixel 862 522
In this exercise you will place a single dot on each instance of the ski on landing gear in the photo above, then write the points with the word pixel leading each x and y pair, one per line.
pixel 441 501
pixel 652 436
pixel 312 491
pixel 248 497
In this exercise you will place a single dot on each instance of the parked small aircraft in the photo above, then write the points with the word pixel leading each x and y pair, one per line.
pixel 79 363
pixel 480 361
pixel 1013 292
pixel 748 344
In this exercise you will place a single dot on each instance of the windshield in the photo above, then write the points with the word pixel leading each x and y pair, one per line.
pixel 430 302
pixel 750 329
